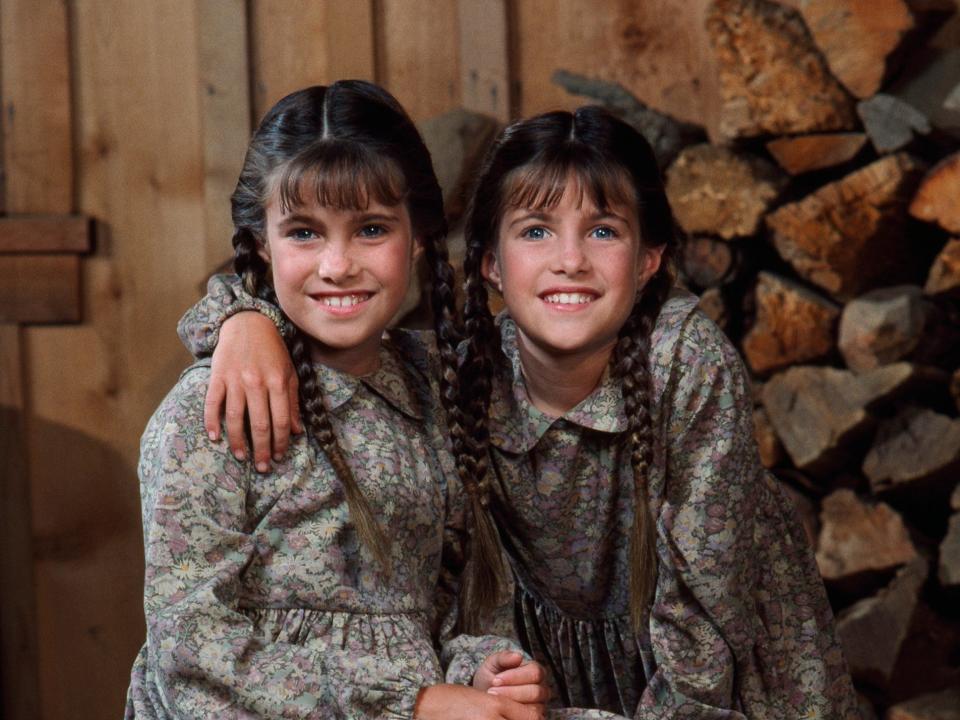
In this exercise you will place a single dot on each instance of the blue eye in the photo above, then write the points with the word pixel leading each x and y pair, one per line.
pixel 604 232
pixel 534 233
pixel 302 233
pixel 372 231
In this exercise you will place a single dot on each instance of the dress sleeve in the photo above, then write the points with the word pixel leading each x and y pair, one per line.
pixel 740 626
pixel 199 328
pixel 205 657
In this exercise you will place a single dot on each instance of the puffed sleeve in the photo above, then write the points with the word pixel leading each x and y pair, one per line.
pixel 199 328
pixel 204 657
pixel 740 625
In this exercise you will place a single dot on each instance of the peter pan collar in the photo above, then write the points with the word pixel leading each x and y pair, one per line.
pixel 516 424
pixel 393 381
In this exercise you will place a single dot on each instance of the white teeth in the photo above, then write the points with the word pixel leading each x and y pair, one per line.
pixel 569 298
pixel 343 300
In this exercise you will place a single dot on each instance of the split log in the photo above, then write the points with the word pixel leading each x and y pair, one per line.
pixel 848 236
pixel 882 326
pixel 872 631
pixel 857 538
pixel 768 444
pixel 856 38
pixel 918 447
pixel 891 123
pixel 713 305
pixel 707 262
pixel 944 277
pixel 716 191
pixel 771 77
pixel 456 141
pixel 936 198
pixel 805 153
pixel 821 414
pixel 793 325
pixel 943 705
pixel 949 566
pixel 666 135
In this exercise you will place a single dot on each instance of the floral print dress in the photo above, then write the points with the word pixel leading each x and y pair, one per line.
pixel 258 598
pixel 740 626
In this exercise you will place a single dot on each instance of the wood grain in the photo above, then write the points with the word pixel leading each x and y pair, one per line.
pixel 44 233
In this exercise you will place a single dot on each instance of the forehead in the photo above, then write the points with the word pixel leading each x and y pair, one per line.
pixel 309 206
pixel 590 189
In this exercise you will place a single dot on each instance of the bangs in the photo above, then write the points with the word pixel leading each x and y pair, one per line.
pixel 541 183
pixel 339 175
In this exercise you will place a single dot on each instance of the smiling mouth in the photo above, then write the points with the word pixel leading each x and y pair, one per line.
pixel 569 298
pixel 343 301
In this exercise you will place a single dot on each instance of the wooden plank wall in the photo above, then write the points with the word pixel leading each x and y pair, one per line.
pixel 136 113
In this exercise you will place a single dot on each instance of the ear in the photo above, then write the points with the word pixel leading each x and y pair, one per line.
pixel 418 248
pixel 490 268
pixel 263 250
pixel 650 260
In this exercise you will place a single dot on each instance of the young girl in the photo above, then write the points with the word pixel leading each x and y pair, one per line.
pixel 282 594
pixel 657 569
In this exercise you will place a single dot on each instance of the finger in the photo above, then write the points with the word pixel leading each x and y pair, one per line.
pixel 280 420
pixel 293 389
pixel 503 660
pixel 234 421
pixel 258 410
pixel 212 406
pixel 529 673
pixel 522 693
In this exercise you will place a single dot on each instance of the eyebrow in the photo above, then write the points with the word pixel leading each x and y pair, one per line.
pixel 306 219
pixel 546 217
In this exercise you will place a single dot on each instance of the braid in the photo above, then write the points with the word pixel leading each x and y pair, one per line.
pixel 252 270
pixel 631 365
pixel 484 576
pixel 318 421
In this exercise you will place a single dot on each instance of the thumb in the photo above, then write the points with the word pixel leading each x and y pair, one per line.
pixel 504 660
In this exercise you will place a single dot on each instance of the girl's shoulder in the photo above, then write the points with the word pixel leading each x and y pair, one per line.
pixel 685 339
pixel 181 410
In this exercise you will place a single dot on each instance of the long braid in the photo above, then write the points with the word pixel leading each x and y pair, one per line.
pixel 631 365
pixel 318 421
pixel 252 270
pixel 484 576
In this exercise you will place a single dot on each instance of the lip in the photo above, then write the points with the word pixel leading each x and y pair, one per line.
pixel 321 300
pixel 572 304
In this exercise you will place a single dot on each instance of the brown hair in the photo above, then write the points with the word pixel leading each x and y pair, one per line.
pixel 345 144
pixel 528 166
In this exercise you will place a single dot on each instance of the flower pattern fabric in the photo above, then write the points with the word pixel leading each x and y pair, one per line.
pixel 260 601
pixel 740 626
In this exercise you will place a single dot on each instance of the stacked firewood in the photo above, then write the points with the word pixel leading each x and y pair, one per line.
pixel 821 225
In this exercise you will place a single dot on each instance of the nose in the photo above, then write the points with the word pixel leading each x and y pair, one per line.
pixel 571 256
pixel 335 262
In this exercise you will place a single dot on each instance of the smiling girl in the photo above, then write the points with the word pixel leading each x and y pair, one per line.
pixel 282 594
pixel 656 568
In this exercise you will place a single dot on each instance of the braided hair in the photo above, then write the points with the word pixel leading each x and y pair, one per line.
pixel 346 144
pixel 528 166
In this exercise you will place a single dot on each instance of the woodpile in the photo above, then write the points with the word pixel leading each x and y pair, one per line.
pixel 822 231
pixel 820 211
